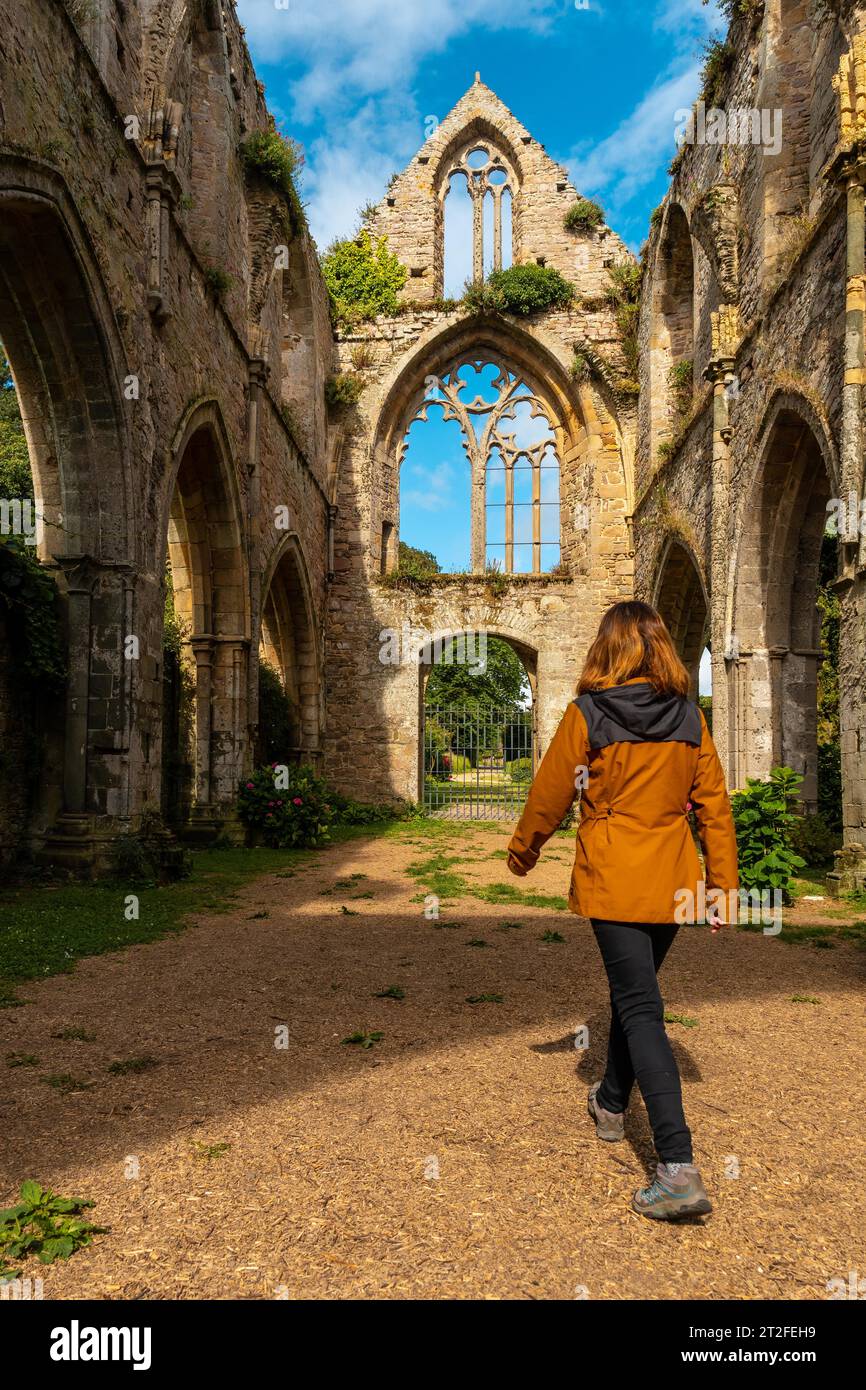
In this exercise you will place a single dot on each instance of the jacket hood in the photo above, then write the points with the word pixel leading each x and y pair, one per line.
pixel 638 714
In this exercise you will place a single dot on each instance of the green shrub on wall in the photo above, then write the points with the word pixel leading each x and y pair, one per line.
pixel 583 216
pixel 363 277
pixel 521 289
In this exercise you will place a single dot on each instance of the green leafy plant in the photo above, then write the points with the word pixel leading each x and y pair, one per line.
pixel 682 1019
pixel 681 381
pixel 343 389
pixel 764 817
pixel 273 158
pixel 44 1225
pixel 364 1040
pixel 521 289
pixel 22 1059
pixel 485 998
pixel 719 58
pixel 133 1065
pixel 814 840
pixel 296 814
pixel 363 278
pixel 552 938
pixel 583 216
pixel 219 282
pixel 392 992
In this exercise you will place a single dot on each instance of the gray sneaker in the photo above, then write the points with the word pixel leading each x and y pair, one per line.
pixel 608 1125
pixel 675 1192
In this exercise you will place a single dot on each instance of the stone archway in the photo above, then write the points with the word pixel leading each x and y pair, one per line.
pixel 289 644
pixel 681 599
pixel 206 556
pixel 775 622
pixel 476 759
pixel 60 336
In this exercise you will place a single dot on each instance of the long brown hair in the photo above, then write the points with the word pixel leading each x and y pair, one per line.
pixel 633 640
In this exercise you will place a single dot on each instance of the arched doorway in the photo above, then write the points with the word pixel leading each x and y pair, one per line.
pixel 777 627
pixel 681 599
pixel 479 739
pixel 59 333
pixel 204 704
pixel 289 725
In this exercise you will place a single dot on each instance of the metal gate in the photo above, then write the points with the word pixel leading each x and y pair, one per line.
pixel 478 763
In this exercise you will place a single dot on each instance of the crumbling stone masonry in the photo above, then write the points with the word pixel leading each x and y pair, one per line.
pixel 170 337
pixel 156 334
pixel 374 708
pixel 753 300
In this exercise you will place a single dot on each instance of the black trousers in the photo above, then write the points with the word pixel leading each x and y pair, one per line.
pixel 639 1048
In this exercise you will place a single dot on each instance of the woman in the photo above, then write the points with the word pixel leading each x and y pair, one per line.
pixel 642 755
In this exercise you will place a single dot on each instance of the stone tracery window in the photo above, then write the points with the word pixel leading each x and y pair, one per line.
pixel 514 468
pixel 478 190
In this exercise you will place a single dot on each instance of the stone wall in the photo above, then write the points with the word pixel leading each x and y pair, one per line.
pixel 147 311
pixel 739 479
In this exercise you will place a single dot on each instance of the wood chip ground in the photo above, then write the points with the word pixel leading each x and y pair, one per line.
pixel 454 1157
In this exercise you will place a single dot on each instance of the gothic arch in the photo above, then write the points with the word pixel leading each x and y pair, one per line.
pixel 774 622
pixel 290 642
pixel 672 328
pixel 587 436
pixel 488 183
pixel 681 597
pixel 60 337
pixel 206 553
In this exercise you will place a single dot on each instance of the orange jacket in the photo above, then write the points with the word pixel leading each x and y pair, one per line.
pixel 635 858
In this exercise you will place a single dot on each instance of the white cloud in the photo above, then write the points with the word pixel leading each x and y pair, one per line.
pixel 630 158
pixel 437 493
pixel 359 61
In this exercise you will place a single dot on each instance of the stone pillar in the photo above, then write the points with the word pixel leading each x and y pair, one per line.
pixel 202 650
pixel 723 644
pixel 80 572
pixel 258 376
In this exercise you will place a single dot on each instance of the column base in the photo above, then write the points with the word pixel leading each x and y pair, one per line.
pixel 849 869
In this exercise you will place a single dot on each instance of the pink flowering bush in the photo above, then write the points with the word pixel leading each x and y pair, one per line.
pixel 286 807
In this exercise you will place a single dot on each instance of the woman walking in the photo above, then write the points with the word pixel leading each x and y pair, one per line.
pixel 641 754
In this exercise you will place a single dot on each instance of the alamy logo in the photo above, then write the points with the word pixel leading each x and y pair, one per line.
pixel 742 125
pixel 77 1343
pixel 21 517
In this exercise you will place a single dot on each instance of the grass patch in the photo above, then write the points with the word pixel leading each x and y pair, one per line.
pixel 682 1019
pixel 364 1040
pixel 45 929
pixel 22 1059
pixel 484 998
pixel 392 992
pixel 210 1151
pixel 438 877
pixel 132 1066
pixel 804 999
pixel 66 1083
pixel 75 1035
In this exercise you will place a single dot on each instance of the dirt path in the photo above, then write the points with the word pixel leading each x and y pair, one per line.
pixel 453 1158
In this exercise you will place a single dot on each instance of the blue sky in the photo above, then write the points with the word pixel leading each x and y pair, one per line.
pixel 354 81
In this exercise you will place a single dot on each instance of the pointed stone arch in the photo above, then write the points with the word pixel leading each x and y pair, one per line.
pixel 774 622
pixel 681 598
pixel 207 555
pixel 68 363
pixel 291 643
pixel 595 470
